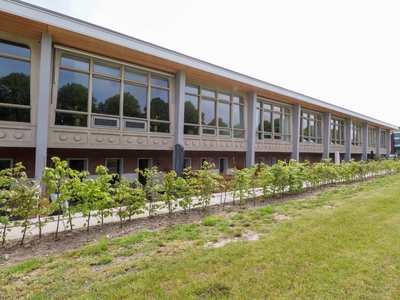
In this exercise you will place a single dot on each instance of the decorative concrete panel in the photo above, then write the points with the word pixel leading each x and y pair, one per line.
pixel 104 139
pixel 273 147
pixel 311 148
pixel 68 139
pixel 17 137
pixel 340 149
pixel 135 141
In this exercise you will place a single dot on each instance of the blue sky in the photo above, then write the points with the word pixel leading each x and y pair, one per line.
pixel 343 52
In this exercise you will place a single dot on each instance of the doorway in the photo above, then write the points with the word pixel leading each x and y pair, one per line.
pixel 144 163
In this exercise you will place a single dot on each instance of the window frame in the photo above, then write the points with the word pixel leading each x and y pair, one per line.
pixel 13 57
pixel 311 117
pixel 218 98
pixel 285 130
pixel 152 85
pixel 338 132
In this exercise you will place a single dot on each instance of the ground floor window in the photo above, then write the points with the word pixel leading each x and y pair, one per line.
pixel 6 163
pixel 78 164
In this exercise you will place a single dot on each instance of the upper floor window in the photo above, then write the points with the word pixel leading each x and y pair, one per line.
pixel 337 132
pixel 272 121
pixel 104 94
pixel 214 113
pixel 383 139
pixel 310 127
pixel 356 136
pixel 371 137
pixel 15 73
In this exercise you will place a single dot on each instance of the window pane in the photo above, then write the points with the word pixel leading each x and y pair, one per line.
pixel 238 116
pixel 71 119
pixel 238 134
pixel 225 133
pixel 286 124
pixel 5 164
pixel 191 109
pixel 191 130
pixel 159 106
pixel 159 127
pixel 159 81
pixel 223 96
pixel 106 69
pixel 14 49
pixel 135 99
pixel 267 122
pixel 75 63
pixel 135 76
pixel 277 123
pixel 267 106
pixel 224 114
pixel 208 112
pixel 106 95
pixel 238 99
pixel 14 81
pixel 258 120
pixel 15 114
pixel 192 89
pixel 73 91
pixel 208 93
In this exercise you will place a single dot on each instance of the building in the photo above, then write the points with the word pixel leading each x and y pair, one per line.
pixel 93 96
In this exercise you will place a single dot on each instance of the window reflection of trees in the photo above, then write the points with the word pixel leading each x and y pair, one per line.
pixel 15 89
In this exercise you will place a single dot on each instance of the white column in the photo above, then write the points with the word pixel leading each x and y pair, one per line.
pixel 179 106
pixel 327 135
pixel 364 141
pixel 388 144
pixel 179 118
pixel 296 131
pixel 251 129
pixel 347 155
pixel 43 103
pixel 378 141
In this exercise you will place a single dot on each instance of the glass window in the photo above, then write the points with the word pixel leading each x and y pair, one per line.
pixel 75 63
pixel 311 128
pixel 135 100
pixel 224 114
pixel 106 69
pixel 128 97
pixel 275 120
pixel 159 81
pixel 106 96
pixel 14 82
pixel 337 132
pixel 159 107
pixel 203 107
pixel 73 91
pixel 5 163
pixel 14 49
pixel 132 75
pixel 208 111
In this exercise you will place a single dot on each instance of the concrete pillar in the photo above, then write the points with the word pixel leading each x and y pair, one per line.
pixel 348 129
pixel 251 129
pixel 378 141
pixel 296 131
pixel 326 135
pixel 43 103
pixel 364 141
pixel 388 144
pixel 179 118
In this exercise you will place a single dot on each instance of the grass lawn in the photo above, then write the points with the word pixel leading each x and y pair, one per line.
pixel 344 244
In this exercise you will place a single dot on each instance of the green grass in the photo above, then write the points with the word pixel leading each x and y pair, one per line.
pixel 344 244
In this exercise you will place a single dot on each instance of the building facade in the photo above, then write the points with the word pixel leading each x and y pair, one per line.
pixel 93 96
